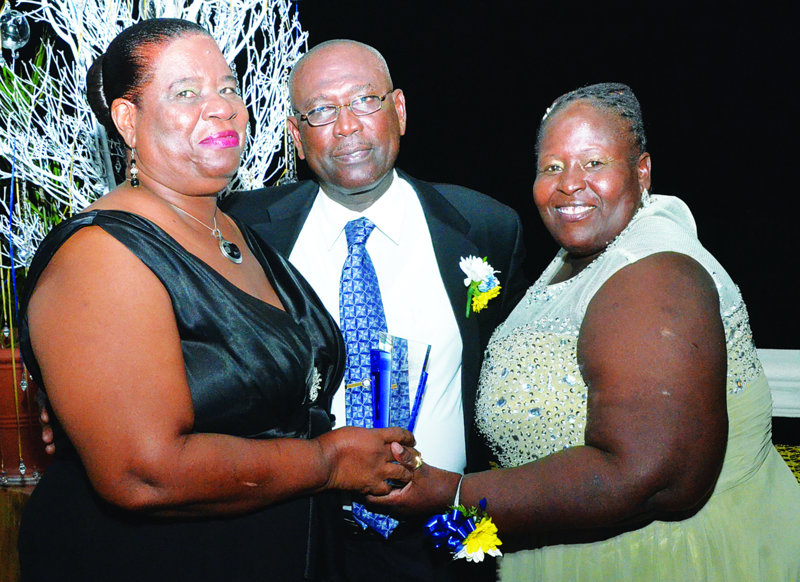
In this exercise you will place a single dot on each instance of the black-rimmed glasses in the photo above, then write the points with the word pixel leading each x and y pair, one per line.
pixel 360 106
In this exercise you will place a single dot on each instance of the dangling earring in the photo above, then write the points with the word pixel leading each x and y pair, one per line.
pixel 645 196
pixel 134 170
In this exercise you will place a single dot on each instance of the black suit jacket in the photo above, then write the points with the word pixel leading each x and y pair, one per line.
pixel 461 221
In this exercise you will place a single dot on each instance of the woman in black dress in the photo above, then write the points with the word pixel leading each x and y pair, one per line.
pixel 187 366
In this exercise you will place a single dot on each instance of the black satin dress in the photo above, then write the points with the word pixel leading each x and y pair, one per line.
pixel 250 368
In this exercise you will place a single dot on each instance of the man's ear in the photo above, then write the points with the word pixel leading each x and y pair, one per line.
pixel 400 108
pixel 123 113
pixel 293 125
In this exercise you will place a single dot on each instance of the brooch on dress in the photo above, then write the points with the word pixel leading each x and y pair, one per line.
pixel 316 384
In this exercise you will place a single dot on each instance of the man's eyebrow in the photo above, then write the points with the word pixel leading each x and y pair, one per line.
pixel 325 97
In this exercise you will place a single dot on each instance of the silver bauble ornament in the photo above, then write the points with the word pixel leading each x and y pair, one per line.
pixel 15 32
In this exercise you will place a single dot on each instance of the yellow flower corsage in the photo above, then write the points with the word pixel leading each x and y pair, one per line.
pixel 467 533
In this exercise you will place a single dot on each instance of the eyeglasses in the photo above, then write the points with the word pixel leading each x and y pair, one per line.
pixel 360 106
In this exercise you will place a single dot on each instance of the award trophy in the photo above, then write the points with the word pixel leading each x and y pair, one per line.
pixel 397 365
pixel 380 361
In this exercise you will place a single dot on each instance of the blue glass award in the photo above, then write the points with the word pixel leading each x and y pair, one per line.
pixel 380 360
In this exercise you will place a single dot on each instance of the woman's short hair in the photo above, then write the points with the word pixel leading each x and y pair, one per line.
pixel 127 65
pixel 615 98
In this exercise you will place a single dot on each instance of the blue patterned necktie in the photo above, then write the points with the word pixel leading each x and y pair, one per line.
pixel 361 318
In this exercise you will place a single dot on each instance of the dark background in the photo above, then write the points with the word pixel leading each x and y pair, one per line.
pixel 714 86
pixel 714 82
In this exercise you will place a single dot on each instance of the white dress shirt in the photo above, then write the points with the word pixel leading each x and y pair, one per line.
pixel 414 300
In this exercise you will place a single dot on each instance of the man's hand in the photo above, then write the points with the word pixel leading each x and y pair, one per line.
pixel 431 490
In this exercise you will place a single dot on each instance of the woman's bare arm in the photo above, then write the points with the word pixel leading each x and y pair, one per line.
pixel 652 352
pixel 105 336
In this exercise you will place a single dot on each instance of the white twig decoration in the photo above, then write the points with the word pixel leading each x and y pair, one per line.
pixel 61 153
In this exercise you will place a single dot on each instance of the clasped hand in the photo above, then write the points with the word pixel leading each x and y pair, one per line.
pixel 362 460
pixel 429 490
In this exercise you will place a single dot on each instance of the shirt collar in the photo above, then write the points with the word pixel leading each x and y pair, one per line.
pixel 387 213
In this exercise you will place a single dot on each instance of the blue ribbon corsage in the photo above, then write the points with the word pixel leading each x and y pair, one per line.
pixel 466 533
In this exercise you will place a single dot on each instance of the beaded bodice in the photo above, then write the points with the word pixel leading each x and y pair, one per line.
pixel 531 397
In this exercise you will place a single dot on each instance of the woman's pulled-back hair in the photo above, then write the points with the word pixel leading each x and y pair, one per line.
pixel 616 98
pixel 126 66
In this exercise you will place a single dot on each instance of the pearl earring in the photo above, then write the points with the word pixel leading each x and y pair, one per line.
pixel 134 170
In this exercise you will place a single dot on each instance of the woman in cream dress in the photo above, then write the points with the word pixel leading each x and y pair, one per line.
pixel 623 396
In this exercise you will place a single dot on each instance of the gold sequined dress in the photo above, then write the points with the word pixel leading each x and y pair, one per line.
pixel 532 403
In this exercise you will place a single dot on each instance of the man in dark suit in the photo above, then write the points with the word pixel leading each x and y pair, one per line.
pixel 347 126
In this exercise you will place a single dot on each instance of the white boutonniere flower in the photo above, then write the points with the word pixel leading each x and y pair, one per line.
pixel 481 283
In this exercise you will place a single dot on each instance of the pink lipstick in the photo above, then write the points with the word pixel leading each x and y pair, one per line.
pixel 223 139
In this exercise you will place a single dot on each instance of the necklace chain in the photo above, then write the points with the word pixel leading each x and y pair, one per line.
pixel 214 218
pixel 228 249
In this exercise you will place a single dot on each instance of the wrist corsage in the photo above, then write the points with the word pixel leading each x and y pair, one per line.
pixel 481 283
pixel 467 533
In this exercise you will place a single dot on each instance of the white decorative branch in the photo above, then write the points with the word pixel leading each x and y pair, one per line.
pixel 61 152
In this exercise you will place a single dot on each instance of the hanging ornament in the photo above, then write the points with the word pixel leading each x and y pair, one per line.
pixel 15 32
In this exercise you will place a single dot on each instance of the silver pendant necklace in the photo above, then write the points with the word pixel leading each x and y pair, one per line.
pixel 228 249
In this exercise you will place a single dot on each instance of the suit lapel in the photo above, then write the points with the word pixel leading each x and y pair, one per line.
pixel 283 219
pixel 449 230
